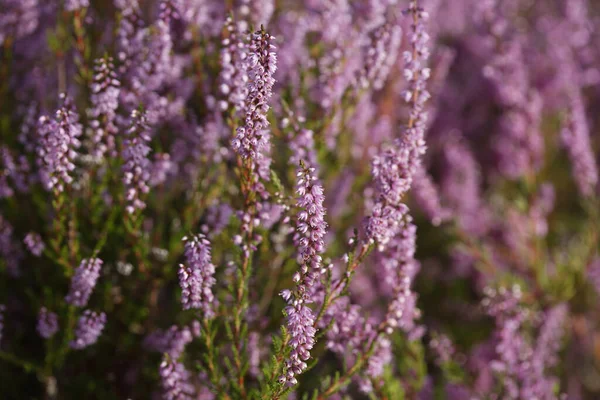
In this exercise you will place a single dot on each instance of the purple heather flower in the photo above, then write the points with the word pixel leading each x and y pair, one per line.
pixel 257 12
pixel 175 381
pixel 310 231
pixel 105 90
pixel 393 170
pixel 427 197
pixel 10 251
pixel 89 328
pixel 253 136
pixel 575 136
pixel 442 348
pixel 381 53
pixel 216 219
pixel 399 270
pixel 18 173
pixel 172 341
pixel 196 278
pixel 47 324
pixel 461 187
pixel 162 168
pixel 234 76
pixel 381 357
pixel 19 18
pixel 73 5
pixel 136 167
pixel 57 142
pixel 34 243
pixel 593 274
pixel 302 145
pixel 84 282
pixel 2 311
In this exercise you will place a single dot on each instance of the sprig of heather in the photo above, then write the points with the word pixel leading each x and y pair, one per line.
pixel 47 324
pixel 427 197
pixel 57 144
pixel 380 54
pixel 233 78
pixel 34 243
pixel 74 5
pixel 175 381
pixel 393 170
pixel 2 311
pixel 310 231
pixel 196 278
pixel 19 18
pixel 11 252
pixel 89 328
pixel 253 136
pixel 172 341
pixel 136 167
pixel 17 172
pixel 105 89
pixel 256 12
pixel 84 281
pixel 575 137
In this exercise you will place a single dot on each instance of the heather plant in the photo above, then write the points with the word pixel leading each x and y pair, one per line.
pixel 316 199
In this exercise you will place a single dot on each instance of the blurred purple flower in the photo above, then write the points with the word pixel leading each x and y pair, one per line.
pixel 89 328
pixel 34 243
pixel 83 282
pixel 196 277
pixel 47 324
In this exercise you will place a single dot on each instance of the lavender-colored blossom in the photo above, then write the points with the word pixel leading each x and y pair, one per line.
pixel 2 311
pixel 34 243
pixel 381 53
pixel 11 252
pixel 310 231
pixel 575 136
pixel 442 347
pixel 175 381
pixel 399 271
pixel 14 175
pixel 104 100
pixel 162 168
pixel 57 142
pixel 73 5
pixel 381 357
pixel 88 330
pixel 136 167
pixel 83 282
pixel 427 197
pixel 19 18
pixel 257 12
pixel 233 76
pixel 196 278
pixel 393 170
pixel 593 274
pixel 253 136
pixel 172 341
pixel 47 324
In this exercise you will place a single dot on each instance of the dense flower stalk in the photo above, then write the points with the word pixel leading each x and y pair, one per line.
pixel 13 171
pixel 175 381
pixel 196 278
pixel 136 167
pixel 47 324
pixel 57 143
pixel 381 54
pixel 234 76
pixel 19 18
pixel 73 5
pixel 34 243
pixel 427 197
pixel 310 230
pixel 393 170
pixel 83 282
pixel 105 101
pixel 575 136
pixel 172 341
pixel 2 311
pixel 89 328
pixel 253 137
pixel 10 251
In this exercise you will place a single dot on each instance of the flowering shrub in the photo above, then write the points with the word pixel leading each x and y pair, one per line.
pixel 318 199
